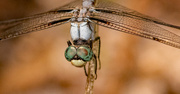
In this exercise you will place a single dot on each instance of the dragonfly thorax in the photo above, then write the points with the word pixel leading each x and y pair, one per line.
pixel 81 31
pixel 83 13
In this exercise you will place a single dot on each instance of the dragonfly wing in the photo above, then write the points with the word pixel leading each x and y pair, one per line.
pixel 139 27
pixel 114 8
pixel 16 27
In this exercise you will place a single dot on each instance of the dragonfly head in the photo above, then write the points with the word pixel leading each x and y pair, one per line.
pixel 78 56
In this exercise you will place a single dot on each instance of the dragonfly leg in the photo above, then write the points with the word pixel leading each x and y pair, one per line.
pixel 97 39
pixel 95 70
pixel 95 67
pixel 91 44
pixel 85 70
pixel 69 43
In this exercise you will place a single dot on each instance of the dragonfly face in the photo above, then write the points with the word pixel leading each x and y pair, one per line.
pixel 78 55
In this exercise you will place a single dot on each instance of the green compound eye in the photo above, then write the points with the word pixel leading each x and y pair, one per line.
pixel 85 53
pixel 70 52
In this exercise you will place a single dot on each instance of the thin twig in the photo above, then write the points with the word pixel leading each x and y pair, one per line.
pixel 91 77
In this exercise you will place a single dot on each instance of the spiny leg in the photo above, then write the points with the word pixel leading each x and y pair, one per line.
pixel 69 43
pixel 97 42
pixel 85 70
pixel 94 60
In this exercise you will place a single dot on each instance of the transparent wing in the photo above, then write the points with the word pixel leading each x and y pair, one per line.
pixel 113 8
pixel 136 24
pixel 16 27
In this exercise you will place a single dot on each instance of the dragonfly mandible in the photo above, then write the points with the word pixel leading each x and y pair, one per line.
pixel 84 15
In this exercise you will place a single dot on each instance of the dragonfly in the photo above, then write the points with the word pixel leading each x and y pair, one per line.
pixel 84 16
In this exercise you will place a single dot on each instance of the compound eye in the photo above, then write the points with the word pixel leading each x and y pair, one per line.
pixel 70 53
pixel 85 53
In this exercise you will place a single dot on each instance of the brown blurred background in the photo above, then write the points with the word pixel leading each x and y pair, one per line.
pixel 35 63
